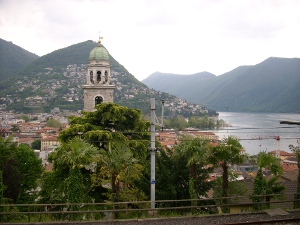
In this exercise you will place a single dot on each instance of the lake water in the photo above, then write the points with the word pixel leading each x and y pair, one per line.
pixel 258 131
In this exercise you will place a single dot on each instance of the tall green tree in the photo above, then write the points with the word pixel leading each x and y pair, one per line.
pixel 9 166
pixel 70 181
pixel 202 122
pixel 25 117
pixel 15 128
pixel 31 169
pixel 228 152
pixel 108 125
pixel 176 122
pixel 118 167
pixel 191 152
pixel 110 122
pixel 1 189
pixel 261 185
pixel 53 123
pixel 296 150
pixel 165 176
pixel 21 170
pixel 36 144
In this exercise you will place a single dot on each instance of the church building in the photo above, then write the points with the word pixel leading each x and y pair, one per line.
pixel 98 87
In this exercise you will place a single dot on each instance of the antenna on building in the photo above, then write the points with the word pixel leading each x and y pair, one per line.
pixel 99 41
pixel 162 114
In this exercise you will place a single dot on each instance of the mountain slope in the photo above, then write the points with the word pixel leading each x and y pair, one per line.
pixel 13 58
pixel 270 86
pixel 161 81
pixel 74 54
pixel 56 79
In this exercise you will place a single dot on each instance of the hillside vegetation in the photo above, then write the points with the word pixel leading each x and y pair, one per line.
pixel 13 58
pixel 270 86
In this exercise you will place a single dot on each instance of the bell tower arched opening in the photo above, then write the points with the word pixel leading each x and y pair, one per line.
pixel 98 100
pixel 98 76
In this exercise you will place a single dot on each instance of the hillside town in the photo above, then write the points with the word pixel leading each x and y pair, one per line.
pixel 36 129
pixel 67 85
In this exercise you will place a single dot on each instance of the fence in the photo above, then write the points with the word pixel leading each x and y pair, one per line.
pixel 132 210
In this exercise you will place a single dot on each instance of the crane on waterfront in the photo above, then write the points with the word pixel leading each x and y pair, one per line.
pixel 277 138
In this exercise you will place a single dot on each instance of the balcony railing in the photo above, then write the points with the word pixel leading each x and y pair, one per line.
pixel 28 213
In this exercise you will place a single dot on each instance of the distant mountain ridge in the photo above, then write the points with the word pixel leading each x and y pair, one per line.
pixel 13 58
pixel 270 86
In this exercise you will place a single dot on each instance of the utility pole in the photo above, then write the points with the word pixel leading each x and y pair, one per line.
pixel 154 122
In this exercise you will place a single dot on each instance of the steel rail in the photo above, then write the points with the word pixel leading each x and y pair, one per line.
pixel 275 221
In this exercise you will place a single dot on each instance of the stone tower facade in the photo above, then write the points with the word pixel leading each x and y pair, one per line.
pixel 98 87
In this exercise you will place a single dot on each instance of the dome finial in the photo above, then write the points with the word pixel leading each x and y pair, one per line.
pixel 99 41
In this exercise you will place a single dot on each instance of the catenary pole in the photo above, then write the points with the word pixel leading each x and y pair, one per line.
pixel 153 151
pixel 154 121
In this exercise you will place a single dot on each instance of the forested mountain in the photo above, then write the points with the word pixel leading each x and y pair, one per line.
pixel 13 58
pixel 75 54
pixel 55 80
pixel 270 86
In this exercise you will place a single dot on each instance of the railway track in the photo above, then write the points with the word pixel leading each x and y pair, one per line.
pixel 289 221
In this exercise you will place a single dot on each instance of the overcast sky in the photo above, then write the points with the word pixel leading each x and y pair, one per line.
pixel 170 36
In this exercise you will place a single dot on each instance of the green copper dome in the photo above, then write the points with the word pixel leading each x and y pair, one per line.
pixel 99 53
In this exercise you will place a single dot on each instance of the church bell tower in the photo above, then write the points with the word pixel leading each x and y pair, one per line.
pixel 98 87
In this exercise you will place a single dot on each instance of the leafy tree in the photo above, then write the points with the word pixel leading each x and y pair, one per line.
pixel 263 186
pixel 118 167
pixel 21 170
pixel 178 123
pixel 10 169
pixel 273 187
pixel 191 153
pixel 24 117
pixel 70 179
pixel 227 152
pixel 53 123
pixel 36 144
pixel 235 188
pixel 110 122
pixel 165 176
pixel 296 150
pixel 31 169
pixel 1 189
pixel 107 126
pixel 221 123
pixel 15 127
pixel 202 122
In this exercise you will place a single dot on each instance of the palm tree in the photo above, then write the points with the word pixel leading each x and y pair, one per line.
pixel 296 150
pixel 76 153
pixel 69 161
pixel 261 185
pixel 192 152
pixel 226 153
pixel 273 187
pixel 118 167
